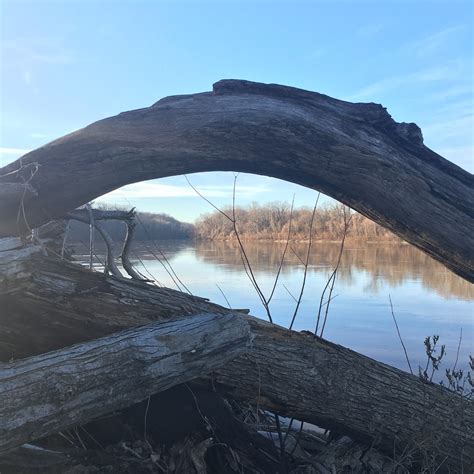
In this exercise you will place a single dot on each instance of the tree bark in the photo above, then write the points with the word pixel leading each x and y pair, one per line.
pixel 355 153
pixel 49 303
pixel 44 394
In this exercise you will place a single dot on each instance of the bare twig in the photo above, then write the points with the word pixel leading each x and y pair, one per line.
pixel 21 209
pixel 399 335
pixel 282 259
pixel 66 233
pixel 91 234
pixel 457 352
pixel 208 201
pixel 145 420
pixel 152 277
pixel 306 263
pixel 297 256
pixel 332 279
pixel 225 297
pixel 163 260
pixel 290 293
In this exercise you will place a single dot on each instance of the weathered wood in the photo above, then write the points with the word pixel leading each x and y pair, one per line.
pixel 127 264
pixel 110 264
pixel 355 153
pixel 11 243
pixel 101 215
pixel 49 303
pixel 334 387
pixel 44 394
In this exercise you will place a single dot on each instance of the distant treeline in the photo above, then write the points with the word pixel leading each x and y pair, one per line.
pixel 272 222
pixel 254 222
pixel 149 227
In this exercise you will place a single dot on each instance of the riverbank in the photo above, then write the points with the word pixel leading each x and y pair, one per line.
pixel 269 223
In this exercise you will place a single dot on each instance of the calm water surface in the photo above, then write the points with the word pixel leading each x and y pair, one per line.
pixel 427 298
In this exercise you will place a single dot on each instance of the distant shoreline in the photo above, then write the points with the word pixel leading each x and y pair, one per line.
pixel 266 223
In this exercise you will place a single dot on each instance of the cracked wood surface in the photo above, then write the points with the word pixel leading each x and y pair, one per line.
pixel 355 153
pixel 48 393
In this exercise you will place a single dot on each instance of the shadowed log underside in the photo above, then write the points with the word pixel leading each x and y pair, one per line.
pixel 355 153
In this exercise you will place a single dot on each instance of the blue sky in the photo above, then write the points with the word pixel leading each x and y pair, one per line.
pixel 65 64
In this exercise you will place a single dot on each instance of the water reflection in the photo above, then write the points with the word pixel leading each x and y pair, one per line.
pixel 428 299
pixel 384 263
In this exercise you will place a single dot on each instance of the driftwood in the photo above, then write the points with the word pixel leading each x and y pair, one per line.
pixel 44 394
pixel 355 153
pixel 128 218
pixel 49 303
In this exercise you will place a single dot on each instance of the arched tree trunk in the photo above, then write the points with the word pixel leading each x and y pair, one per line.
pixel 355 153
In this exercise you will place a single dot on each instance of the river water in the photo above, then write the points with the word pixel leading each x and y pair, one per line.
pixel 427 298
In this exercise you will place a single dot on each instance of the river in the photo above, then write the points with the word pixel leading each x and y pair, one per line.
pixel 427 298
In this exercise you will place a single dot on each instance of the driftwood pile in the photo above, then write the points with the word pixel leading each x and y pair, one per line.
pixel 94 363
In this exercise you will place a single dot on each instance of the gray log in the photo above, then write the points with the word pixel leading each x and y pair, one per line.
pixel 44 394
pixel 48 303
pixel 355 153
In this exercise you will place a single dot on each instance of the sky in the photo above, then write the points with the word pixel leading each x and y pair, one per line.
pixel 65 64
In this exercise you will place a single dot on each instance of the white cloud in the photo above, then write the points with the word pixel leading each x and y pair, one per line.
pixel 13 151
pixel 429 75
pixel 459 108
pixel 156 190
pixel 22 51
pixel 26 55
pixel 455 91
pixel 456 127
pixel 370 30
pixel 431 44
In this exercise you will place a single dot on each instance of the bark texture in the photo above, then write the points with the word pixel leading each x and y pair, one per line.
pixel 355 153
pixel 48 393
pixel 50 303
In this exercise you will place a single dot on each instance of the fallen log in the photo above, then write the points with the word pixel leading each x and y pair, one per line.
pixel 355 153
pixel 44 394
pixel 49 303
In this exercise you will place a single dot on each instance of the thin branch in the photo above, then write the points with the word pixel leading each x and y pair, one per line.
pixel 284 251
pixel 174 277
pixel 244 257
pixel 303 284
pixel 66 233
pixel 400 336
pixel 153 279
pixel 459 348
pixel 225 297
pixel 21 209
pixel 207 200
pixel 91 234
pixel 290 293
pixel 297 256
pixel 332 279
